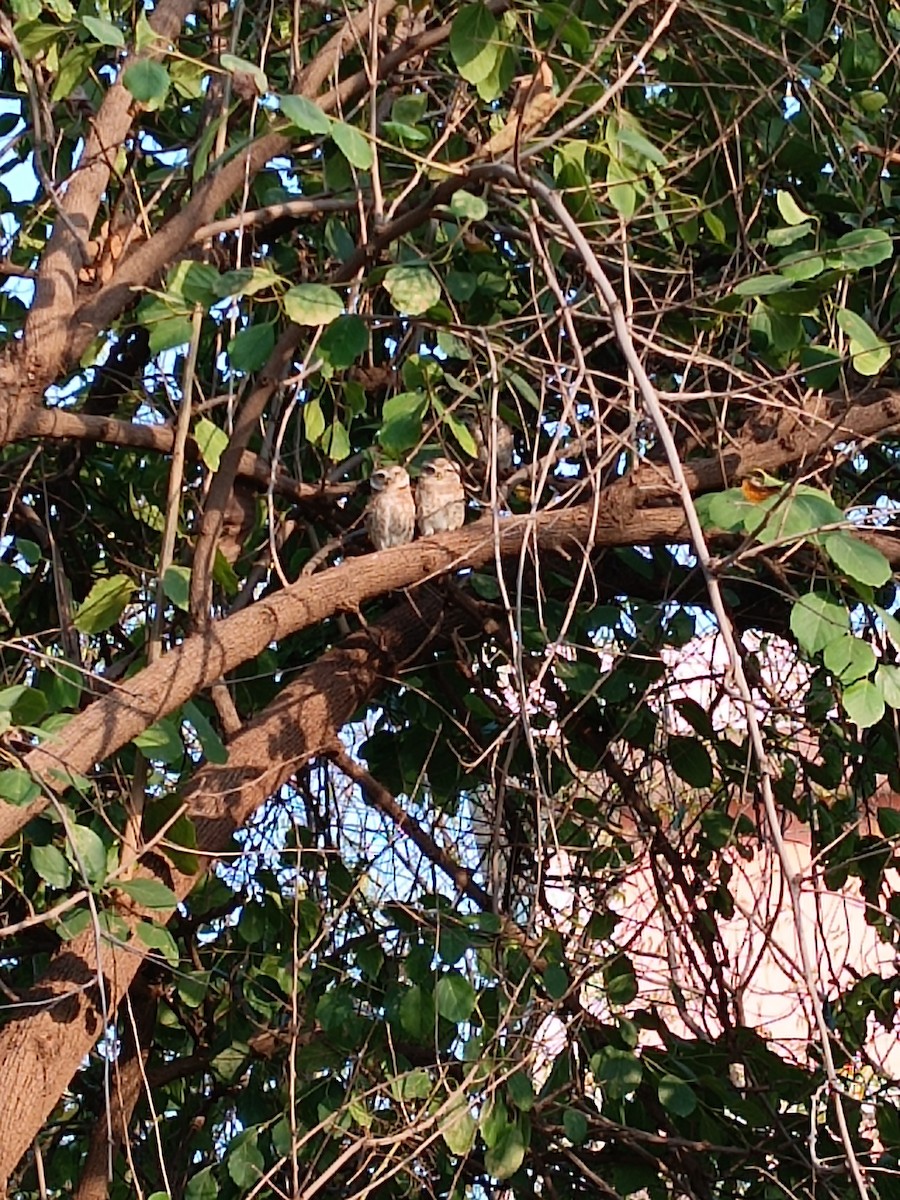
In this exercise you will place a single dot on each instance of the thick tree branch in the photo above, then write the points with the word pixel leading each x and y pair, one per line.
pixel 50 1039
pixel 196 663
pixel 47 326
pixel 56 424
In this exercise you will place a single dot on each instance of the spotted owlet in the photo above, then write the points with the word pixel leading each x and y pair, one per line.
pixel 440 499
pixel 391 512
pixel 481 427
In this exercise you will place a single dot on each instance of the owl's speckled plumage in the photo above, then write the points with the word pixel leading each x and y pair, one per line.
pixel 481 428
pixel 391 512
pixel 440 498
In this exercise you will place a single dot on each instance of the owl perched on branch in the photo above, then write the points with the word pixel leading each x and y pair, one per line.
pixel 482 430
pixel 440 499
pixel 391 512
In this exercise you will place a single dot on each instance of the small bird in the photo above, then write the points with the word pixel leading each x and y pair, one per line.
pixel 480 425
pixel 440 498
pixel 757 485
pixel 391 512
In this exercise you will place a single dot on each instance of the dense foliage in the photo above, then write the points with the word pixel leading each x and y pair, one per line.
pixel 321 865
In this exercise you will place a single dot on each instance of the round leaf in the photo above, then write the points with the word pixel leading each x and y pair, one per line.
pixel 454 997
pixel 817 619
pixel 50 863
pixel 344 341
pixel 313 304
pixel 413 289
pixel 148 81
pixel 619 1072
pixel 677 1096
pixel 863 703
pixel 857 558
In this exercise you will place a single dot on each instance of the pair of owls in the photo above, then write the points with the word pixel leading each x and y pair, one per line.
pixel 392 514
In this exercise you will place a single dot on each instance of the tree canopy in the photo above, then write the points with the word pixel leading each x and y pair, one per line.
pixel 334 871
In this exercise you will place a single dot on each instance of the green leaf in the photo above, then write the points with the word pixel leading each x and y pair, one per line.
pixel 313 420
pixel 336 442
pixel 457 1125
pixel 177 586
pixel 161 741
pixel 169 333
pixel 856 558
pixel 86 852
pixel 716 226
pixel 50 863
pixel 104 604
pixel 620 186
pixel 865 248
pixel 618 1072
pixel 61 684
pixel 461 433
pixel 104 31
pixel 504 1159
pixel 158 938
pixel 889 822
pixel 575 1125
pixel 148 82
pixel 353 145
pixel 786 235
pixel 867 351
pixel 690 760
pixel 520 1091
pixel 468 207
pixel 412 289
pixel 313 304
pixel 863 703
pixel 891 625
pixel 849 658
pixel 887 680
pixel 417 1013
pixel 249 349
pixel 725 510
pixel 305 115
pixel 790 210
pixel 676 1096
pixel 17 787
pixel 620 980
pixel 821 365
pixel 802 266
pixel 243 66
pixel 795 516
pixel 556 982
pixel 190 283
pixel 149 893
pixel 213 748
pixel 401 425
pixel 474 42
pixel 344 341
pixel 25 705
pixel 454 997
pixel 147 513
pixel 762 285
pixel 211 442
pixel 180 837
pixel 816 620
